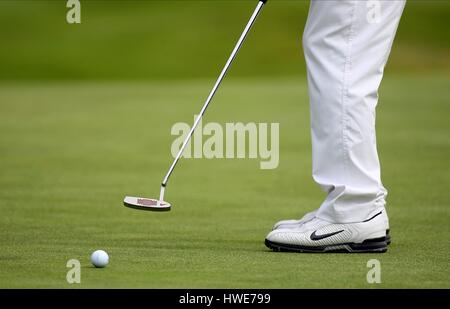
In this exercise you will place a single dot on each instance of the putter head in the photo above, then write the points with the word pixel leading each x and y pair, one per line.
pixel 143 203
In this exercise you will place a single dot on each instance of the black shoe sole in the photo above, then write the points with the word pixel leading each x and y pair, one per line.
pixel 378 245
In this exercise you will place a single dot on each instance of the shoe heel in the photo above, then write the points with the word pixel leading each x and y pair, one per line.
pixel 370 245
pixel 388 237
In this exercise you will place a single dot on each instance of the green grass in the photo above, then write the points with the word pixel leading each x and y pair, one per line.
pixel 69 152
pixel 124 39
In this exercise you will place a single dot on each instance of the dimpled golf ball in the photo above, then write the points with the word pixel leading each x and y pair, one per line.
pixel 99 258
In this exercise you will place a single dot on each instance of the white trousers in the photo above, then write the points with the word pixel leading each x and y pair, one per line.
pixel 347 44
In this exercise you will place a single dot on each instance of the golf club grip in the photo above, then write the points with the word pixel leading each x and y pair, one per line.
pixel 263 1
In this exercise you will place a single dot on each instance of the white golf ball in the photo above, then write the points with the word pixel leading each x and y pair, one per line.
pixel 99 258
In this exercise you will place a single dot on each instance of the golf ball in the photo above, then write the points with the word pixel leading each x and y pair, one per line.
pixel 99 258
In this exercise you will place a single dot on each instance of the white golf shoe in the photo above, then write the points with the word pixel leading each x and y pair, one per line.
pixel 317 235
pixel 289 224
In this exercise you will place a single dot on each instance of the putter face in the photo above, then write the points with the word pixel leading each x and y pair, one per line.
pixel 143 203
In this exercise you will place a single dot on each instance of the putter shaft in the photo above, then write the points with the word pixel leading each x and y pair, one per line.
pixel 213 91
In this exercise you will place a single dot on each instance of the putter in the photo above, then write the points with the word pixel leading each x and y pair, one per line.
pixel 143 203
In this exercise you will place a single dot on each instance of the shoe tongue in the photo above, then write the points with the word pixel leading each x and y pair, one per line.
pixel 308 216
pixel 315 223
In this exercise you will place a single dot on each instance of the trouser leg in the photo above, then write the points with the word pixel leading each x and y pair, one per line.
pixel 347 44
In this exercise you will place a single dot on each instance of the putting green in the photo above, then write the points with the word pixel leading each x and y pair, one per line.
pixel 70 152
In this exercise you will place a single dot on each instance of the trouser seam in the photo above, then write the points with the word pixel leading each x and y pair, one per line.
pixel 344 98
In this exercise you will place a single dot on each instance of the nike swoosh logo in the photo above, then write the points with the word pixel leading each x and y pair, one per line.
pixel 323 236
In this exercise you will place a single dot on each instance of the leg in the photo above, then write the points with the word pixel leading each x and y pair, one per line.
pixel 346 49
